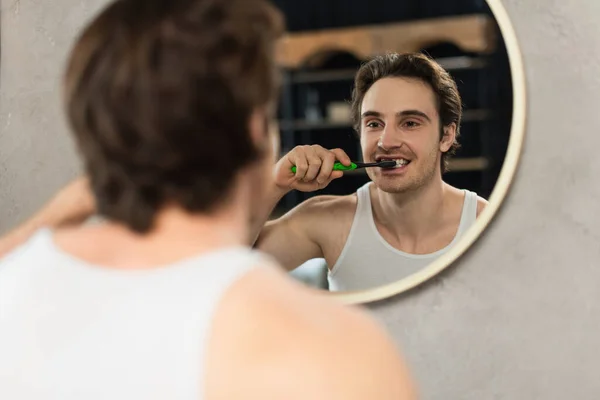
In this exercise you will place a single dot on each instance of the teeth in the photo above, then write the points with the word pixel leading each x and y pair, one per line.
pixel 401 162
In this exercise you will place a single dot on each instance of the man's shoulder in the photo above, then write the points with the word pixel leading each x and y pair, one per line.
pixel 324 213
pixel 329 205
pixel 269 327
pixel 481 204
pixel 459 193
pixel 13 251
pixel 274 303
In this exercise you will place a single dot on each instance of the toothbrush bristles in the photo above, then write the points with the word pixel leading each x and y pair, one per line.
pixel 388 163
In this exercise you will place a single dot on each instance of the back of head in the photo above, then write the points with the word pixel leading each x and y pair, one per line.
pixel 418 66
pixel 159 95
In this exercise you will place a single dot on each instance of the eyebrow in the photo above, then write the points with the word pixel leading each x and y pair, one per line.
pixel 405 113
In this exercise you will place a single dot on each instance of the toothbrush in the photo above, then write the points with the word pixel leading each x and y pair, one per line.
pixel 341 167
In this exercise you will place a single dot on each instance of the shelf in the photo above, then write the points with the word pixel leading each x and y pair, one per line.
pixel 468 164
pixel 302 125
pixel 323 76
pixel 471 33
pixel 448 63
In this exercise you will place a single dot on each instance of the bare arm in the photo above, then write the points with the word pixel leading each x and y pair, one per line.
pixel 73 204
pixel 260 220
pixel 291 239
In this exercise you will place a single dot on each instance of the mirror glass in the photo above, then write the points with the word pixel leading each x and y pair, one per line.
pixel 374 226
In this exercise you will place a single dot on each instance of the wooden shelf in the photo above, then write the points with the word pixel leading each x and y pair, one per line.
pixel 468 164
pixel 448 63
pixel 302 125
pixel 471 33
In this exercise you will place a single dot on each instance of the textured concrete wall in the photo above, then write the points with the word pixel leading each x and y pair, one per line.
pixel 36 153
pixel 518 317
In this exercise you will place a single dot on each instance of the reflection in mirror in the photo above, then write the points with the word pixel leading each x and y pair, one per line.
pixel 434 95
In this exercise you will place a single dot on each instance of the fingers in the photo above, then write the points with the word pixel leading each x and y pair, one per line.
pixel 299 159
pixel 341 156
pixel 315 163
pixel 328 159
pixel 336 174
pixel 314 155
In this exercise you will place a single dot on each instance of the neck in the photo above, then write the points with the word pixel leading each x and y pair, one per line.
pixel 421 211
pixel 175 235
pixel 225 226
pixel 173 226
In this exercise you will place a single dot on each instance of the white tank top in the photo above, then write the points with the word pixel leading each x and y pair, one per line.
pixel 74 331
pixel 368 260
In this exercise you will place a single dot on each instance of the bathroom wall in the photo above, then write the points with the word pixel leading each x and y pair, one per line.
pixel 517 317
pixel 36 153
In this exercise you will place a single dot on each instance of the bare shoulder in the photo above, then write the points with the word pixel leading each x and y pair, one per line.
pixel 481 204
pixel 459 195
pixel 334 212
pixel 275 338
pixel 304 226
pixel 327 206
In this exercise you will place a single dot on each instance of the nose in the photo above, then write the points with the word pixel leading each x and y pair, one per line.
pixel 389 139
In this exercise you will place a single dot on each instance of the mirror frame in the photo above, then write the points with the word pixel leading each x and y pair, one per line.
pixel 507 173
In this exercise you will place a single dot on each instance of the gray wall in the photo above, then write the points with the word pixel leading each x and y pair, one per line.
pixel 517 317
pixel 36 153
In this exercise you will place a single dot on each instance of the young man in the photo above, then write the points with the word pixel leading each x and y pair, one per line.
pixel 170 104
pixel 405 108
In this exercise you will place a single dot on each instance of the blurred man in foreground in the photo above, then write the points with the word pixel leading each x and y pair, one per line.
pixel 171 104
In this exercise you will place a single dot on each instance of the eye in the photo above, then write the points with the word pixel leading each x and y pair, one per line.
pixel 372 124
pixel 411 124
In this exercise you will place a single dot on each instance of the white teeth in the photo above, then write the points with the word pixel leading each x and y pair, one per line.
pixel 401 162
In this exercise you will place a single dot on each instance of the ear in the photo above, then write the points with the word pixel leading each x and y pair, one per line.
pixel 257 127
pixel 448 137
pixel 275 137
pixel 264 131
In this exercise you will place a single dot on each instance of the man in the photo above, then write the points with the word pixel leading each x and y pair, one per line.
pixel 405 108
pixel 164 300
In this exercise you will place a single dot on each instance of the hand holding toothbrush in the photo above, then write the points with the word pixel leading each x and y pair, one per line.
pixel 310 168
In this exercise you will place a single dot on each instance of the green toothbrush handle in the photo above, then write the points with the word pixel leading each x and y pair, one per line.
pixel 336 167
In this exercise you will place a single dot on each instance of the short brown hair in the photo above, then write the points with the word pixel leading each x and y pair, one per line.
pixel 159 94
pixel 412 65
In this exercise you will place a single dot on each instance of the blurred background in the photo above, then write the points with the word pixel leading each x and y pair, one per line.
pixel 461 35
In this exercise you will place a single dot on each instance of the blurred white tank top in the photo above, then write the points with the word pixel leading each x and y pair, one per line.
pixel 74 331
pixel 368 260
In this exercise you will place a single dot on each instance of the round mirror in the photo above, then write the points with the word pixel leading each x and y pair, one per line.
pixel 422 107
